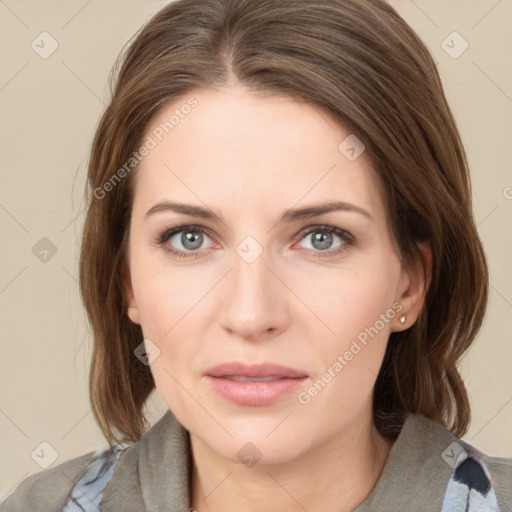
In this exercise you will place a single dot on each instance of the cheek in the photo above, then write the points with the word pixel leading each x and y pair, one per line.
pixel 168 319
pixel 164 296
pixel 170 310
pixel 351 299
pixel 357 309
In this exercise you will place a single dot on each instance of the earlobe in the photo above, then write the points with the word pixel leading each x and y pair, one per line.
pixel 413 287
pixel 132 312
pixel 133 315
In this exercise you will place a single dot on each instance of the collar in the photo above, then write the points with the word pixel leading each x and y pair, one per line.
pixel 417 469
pixel 154 473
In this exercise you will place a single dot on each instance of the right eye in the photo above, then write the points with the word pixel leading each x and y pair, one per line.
pixel 190 238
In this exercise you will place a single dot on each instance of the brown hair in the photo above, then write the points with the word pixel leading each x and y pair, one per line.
pixel 357 60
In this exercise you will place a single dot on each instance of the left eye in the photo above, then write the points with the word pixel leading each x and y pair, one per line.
pixel 323 239
pixel 192 238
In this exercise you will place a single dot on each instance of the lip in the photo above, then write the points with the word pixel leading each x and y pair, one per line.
pixel 254 393
pixel 236 368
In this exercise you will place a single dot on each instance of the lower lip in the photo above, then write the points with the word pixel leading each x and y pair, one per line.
pixel 254 392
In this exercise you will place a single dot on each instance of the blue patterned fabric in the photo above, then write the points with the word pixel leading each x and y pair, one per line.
pixel 88 491
pixel 470 486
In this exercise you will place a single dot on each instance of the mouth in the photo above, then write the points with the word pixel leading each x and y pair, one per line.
pixel 254 385
pixel 255 371
pixel 243 378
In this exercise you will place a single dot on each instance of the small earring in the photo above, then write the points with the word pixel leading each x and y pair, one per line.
pixel 402 319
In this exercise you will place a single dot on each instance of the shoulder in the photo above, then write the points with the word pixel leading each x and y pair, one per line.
pixel 468 464
pixel 479 482
pixel 500 472
pixel 48 490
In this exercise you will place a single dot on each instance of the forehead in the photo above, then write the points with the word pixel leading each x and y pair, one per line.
pixel 235 149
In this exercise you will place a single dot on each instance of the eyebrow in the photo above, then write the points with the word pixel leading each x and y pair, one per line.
pixel 289 216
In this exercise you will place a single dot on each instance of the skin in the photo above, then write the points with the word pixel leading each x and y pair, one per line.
pixel 251 158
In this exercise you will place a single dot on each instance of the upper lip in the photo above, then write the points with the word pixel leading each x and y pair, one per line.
pixel 254 370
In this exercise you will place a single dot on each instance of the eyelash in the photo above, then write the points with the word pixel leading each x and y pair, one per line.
pixel 345 236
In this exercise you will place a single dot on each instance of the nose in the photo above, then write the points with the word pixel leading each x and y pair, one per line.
pixel 254 304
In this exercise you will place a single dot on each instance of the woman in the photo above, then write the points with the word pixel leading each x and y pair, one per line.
pixel 280 239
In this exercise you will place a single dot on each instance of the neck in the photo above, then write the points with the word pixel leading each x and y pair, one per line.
pixel 336 476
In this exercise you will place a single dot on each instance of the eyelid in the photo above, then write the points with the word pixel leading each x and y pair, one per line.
pixel 342 233
pixel 169 233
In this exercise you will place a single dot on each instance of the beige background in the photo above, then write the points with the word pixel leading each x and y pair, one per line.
pixel 50 107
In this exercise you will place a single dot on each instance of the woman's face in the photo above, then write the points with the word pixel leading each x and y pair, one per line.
pixel 318 294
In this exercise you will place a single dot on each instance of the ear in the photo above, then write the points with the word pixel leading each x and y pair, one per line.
pixel 412 289
pixel 133 312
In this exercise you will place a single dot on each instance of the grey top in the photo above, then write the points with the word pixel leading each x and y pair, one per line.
pixel 153 475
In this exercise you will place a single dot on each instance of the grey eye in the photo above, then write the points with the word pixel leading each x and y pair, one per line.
pixel 322 240
pixel 190 239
